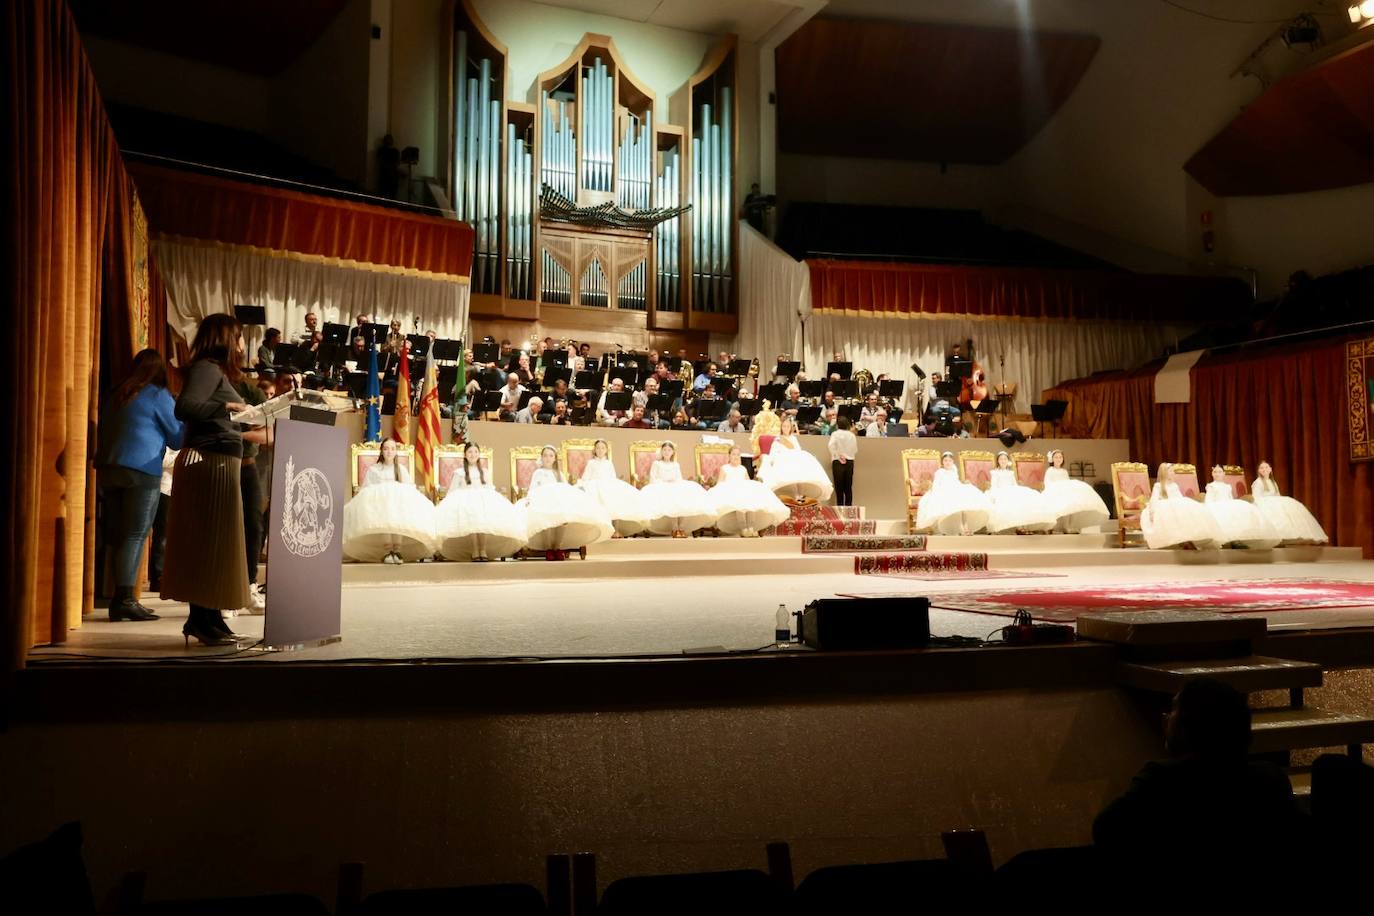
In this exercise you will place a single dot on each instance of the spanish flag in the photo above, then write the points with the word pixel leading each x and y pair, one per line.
pixel 429 437
pixel 400 420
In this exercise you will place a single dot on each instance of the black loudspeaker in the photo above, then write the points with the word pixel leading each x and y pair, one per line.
pixel 844 624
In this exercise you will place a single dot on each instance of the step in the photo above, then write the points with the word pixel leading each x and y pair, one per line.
pixel 1168 627
pixel 1301 780
pixel 1286 729
pixel 1246 673
pixel 856 543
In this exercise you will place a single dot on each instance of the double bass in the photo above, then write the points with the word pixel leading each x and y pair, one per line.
pixel 974 388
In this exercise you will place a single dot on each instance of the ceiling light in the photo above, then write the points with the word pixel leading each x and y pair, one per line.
pixel 1367 9
pixel 1354 12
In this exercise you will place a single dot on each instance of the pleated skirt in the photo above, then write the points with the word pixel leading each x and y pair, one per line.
pixel 205 561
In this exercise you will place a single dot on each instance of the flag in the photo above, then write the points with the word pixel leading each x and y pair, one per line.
pixel 460 387
pixel 400 422
pixel 372 432
pixel 427 440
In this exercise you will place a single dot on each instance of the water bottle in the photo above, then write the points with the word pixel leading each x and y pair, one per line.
pixel 782 627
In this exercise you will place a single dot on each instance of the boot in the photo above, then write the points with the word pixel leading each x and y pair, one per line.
pixel 123 606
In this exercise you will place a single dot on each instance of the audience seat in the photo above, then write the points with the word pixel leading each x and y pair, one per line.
pixel 887 887
pixel 1045 874
pixel 270 905
pixel 482 900
pixel 746 891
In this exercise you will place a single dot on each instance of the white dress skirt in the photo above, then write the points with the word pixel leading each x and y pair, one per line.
pixel 622 501
pixel 743 504
pixel 1240 522
pixel 792 470
pixel 1172 519
pixel 559 516
pixel 674 503
pixel 1290 518
pixel 1075 504
pixel 950 505
pixel 474 520
pixel 1016 508
pixel 388 515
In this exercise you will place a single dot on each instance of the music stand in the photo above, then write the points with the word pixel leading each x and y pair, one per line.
pixel 852 411
pixel 445 377
pixel 377 332
pixel 659 403
pixel 1050 412
pixel 486 353
pixel 812 389
pixel 617 400
pixel 356 383
pixel 552 374
pixel 787 369
pixel 983 412
pixel 555 358
pixel 712 410
pixel 960 368
pixel 750 407
pixel 586 380
pixel 627 374
pixel 250 315
pixel 673 388
pixel 843 369
pixel 674 363
pixel 448 351
pixel 845 389
pixel 335 334
pixel 419 343
pixel 773 393
pixel 898 431
pixel 739 368
pixel 891 388
pixel 948 389
pixel 806 416
pixel 488 402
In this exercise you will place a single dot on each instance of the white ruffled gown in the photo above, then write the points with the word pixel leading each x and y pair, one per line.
pixel 1016 508
pixel 388 514
pixel 1293 521
pixel 790 470
pixel 1172 519
pixel 476 521
pixel 1239 521
pixel 558 516
pixel 673 503
pixel 743 504
pixel 950 505
pixel 621 500
pixel 1075 504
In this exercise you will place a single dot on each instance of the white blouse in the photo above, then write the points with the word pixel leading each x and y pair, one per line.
pixel 459 480
pixel 1264 487
pixel 541 477
pixel 729 472
pixel 1219 491
pixel 1003 477
pixel 945 477
pixel 665 472
pixel 599 469
pixel 1166 491
pixel 381 473
pixel 1056 475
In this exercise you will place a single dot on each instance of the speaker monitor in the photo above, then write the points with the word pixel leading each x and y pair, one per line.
pixel 843 624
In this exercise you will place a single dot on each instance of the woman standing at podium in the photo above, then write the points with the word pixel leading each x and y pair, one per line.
pixel 1290 518
pixel 388 519
pixel 559 517
pixel 621 501
pixel 473 521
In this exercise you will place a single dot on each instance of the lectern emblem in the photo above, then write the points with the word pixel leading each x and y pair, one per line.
pixel 307 518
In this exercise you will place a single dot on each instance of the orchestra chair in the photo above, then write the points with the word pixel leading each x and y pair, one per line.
pixel 710 457
pixel 448 460
pixel 573 455
pixel 1029 468
pixel 1234 475
pixel 363 455
pixel 976 468
pixel 524 461
pixel 1131 487
pixel 643 454
pixel 918 470
pixel 1185 475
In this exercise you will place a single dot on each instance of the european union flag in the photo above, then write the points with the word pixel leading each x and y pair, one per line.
pixel 373 430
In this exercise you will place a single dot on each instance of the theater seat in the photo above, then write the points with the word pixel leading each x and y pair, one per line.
pixel 745 891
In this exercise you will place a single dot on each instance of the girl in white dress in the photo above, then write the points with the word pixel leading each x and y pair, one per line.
pixel 1014 507
pixel 744 505
pixel 1074 503
pixel 560 517
pixel 675 506
pixel 622 501
pixel 1174 520
pixel 388 520
pixel 789 470
pixel 1240 522
pixel 951 506
pixel 475 522
pixel 1290 518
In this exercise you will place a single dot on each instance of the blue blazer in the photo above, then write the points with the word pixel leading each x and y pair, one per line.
pixel 137 434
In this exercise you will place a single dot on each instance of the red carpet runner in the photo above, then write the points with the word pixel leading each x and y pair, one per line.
pixel 817 519
pixel 878 564
pixel 844 543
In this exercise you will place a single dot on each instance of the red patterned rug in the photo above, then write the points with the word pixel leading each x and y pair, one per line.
pixel 843 543
pixel 938 574
pixel 887 564
pixel 1064 605
pixel 824 520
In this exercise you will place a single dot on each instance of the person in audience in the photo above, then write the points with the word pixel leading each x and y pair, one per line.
pixel 357 360
pixel 139 427
pixel 1075 504
pixel 561 392
pixel 870 411
pixel 267 350
pixel 361 327
pixel 510 397
pixel 1171 519
pixel 637 420
pixel 733 423
pixel 522 369
pixel 952 506
pixel 530 412
pixel 791 401
pixel 743 506
pixel 844 448
pixel 878 427
pixel 827 422
pixel 622 502
pixel 680 420
pixel 662 373
pixel 312 327
pixel 560 416
pixel 722 361
pixel 558 517
pixel 1241 524
pixel 675 506
pixel 1013 507
pixel 707 377
pixel 1209 813
pixel 611 417
pixel 473 521
pixel 641 398
pixel 1290 518
pixel 790 469
pixel 389 520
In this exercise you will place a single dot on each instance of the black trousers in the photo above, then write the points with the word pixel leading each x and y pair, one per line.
pixel 251 489
pixel 844 482
pixel 159 546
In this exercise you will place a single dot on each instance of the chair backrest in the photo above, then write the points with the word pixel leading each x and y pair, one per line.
pixel 1234 474
pixel 1131 486
pixel 976 468
pixel 642 457
pixel 766 444
pixel 573 455
pixel 1185 475
pixel 524 461
pixel 743 891
pixel 448 460
pixel 363 455
pixel 269 905
pixel 1030 469
pixel 872 888
pixel 512 899
pixel 918 469
pixel 710 458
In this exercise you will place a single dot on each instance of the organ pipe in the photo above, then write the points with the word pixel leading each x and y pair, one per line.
pixel 598 120
pixel 713 211
pixel 667 238
pixel 477 163
pixel 518 216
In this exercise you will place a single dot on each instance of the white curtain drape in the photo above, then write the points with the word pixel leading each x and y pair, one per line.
pixel 202 279
pixel 774 299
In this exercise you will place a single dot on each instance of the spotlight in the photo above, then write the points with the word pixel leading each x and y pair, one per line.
pixel 1367 9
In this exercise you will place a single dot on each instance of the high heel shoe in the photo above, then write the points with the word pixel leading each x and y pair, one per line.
pixel 206 636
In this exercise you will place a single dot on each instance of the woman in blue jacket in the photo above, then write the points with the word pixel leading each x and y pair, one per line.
pixel 140 425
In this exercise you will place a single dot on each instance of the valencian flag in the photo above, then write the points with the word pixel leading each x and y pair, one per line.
pixel 372 432
pixel 400 421
pixel 427 441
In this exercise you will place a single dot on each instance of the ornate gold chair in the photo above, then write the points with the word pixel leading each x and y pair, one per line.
pixel 1234 475
pixel 1131 487
pixel 1185 475
pixel 1030 469
pixel 710 458
pixel 448 460
pixel 524 461
pixel 918 470
pixel 976 468
pixel 363 455
pixel 642 457
pixel 573 455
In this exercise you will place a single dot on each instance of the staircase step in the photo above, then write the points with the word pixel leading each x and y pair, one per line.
pixel 1246 673
pixel 1286 729
pixel 1301 778
pixel 841 543
pixel 1165 627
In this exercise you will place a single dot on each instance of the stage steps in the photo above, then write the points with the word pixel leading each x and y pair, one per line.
pixel 1248 674
pixel 1287 729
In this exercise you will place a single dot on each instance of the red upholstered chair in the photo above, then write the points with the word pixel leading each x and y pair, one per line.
pixel 1030 469
pixel 1185 475
pixel 524 461
pixel 448 460
pixel 642 458
pixel 1131 485
pixel 765 445
pixel 573 455
pixel 364 455
pixel 710 458
pixel 1234 475
pixel 976 468
pixel 918 470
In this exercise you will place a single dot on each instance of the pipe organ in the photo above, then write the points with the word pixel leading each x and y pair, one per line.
pixel 587 196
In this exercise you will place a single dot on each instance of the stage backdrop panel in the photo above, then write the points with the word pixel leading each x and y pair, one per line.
pixel 1359 384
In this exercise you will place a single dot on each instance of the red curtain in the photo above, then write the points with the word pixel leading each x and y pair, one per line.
pixel 1283 406
pixel 903 290
pixel 188 204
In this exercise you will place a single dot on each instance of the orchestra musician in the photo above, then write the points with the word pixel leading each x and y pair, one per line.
pixel 312 327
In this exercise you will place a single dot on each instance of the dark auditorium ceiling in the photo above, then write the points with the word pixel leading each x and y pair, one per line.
pixel 260 37
pixel 922 92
